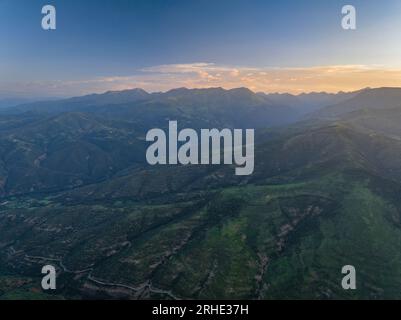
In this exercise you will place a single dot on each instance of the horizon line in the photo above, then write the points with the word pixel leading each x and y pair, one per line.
pixel 204 88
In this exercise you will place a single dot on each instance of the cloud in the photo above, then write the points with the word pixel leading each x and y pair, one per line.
pixel 332 78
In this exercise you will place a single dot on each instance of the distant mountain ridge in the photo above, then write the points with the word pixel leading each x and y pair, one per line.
pixel 369 99
pixel 310 102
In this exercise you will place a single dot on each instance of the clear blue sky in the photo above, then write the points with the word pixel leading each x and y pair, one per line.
pixel 122 37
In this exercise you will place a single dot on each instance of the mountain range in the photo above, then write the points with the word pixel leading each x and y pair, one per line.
pixel 76 191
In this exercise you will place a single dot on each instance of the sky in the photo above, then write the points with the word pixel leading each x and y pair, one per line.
pixel 271 46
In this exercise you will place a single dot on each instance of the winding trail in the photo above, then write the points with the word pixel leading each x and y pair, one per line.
pixel 139 289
